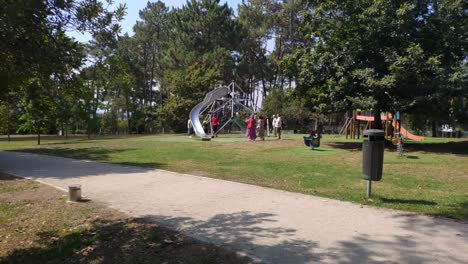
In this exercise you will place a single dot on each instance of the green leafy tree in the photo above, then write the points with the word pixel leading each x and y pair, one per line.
pixel 203 38
pixel 382 55
pixel 38 51
pixel 150 37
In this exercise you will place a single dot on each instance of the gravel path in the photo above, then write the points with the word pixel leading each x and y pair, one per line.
pixel 270 225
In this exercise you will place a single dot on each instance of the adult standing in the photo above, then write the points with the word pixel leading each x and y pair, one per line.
pixel 273 124
pixel 189 127
pixel 278 125
pixel 251 125
pixel 261 125
pixel 214 125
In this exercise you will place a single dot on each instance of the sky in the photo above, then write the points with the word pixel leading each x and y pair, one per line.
pixel 134 6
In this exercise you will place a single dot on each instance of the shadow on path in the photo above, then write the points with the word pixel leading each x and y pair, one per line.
pixel 375 248
pixel 256 234
pixel 127 241
pixel 430 226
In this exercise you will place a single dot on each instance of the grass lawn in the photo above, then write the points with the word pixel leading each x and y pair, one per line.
pixel 37 225
pixel 432 178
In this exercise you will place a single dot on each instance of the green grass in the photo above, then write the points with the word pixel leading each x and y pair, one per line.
pixel 432 178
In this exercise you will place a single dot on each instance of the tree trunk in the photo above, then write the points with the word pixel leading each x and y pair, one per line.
pixel 38 134
pixel 434 129
pixel 377 120
pixel 145 73
pixel 128 115
pixel 66 130
pixel 89 128
pixel 278 58
pixel 153 66
pixel 8 121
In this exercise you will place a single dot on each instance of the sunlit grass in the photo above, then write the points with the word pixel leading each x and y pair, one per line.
pixel 427 179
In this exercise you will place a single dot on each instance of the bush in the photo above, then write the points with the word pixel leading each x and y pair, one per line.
pixel 173 115
pixel 294 112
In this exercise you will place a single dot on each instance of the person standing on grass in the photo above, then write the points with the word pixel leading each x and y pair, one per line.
pixel 189 127
pixel 215 124
pixel 278 125
pixel 261 125
pixel 273 124
pixel 205 125
pixel 251 125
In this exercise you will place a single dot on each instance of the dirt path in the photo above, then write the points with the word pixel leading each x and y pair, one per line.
pixel 274 226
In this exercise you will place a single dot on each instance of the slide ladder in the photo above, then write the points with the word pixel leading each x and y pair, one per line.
pixel 346 125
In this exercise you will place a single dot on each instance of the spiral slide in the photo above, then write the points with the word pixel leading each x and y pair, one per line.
pixel 196 111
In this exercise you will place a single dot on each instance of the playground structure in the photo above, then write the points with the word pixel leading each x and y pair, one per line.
pixel 391 124
pixel 225 102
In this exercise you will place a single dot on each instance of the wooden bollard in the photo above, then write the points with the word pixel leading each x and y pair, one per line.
pixel 74 192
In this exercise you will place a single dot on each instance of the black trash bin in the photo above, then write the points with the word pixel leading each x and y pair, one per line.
pixel 372 154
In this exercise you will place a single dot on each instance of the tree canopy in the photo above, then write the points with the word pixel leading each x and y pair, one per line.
pixel 304 58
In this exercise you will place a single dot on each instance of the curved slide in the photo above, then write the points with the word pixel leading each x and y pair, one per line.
pixel 195 113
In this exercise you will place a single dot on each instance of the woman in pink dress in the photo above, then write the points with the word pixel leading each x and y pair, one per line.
pixel 251 125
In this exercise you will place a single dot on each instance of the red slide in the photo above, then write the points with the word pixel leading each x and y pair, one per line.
pixel 407 134
pixel 403 131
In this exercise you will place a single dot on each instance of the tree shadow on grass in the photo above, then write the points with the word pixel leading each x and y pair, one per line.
pixel 143 241
pixel 24 164
pixel 44 138
pixel 120 241
pixel 71 138
pixel 90 153
pixel 5 177
pixel 459 147
pixel 256 234
pixel 407 201
pixel 457 210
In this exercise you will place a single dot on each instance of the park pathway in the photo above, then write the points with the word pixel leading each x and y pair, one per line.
pixel 271 225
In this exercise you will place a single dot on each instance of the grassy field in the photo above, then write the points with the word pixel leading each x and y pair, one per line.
pixel 432 177
pixel 37 225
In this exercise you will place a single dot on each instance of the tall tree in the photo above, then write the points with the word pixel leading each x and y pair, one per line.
pixel 150 33
pixel 204 37
pixel 36 48
pixel 253 64
pixel 380 55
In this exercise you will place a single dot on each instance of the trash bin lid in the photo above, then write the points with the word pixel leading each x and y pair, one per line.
pixel 374 133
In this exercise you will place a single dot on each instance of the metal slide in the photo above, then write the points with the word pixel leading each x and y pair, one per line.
pixel 196 111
